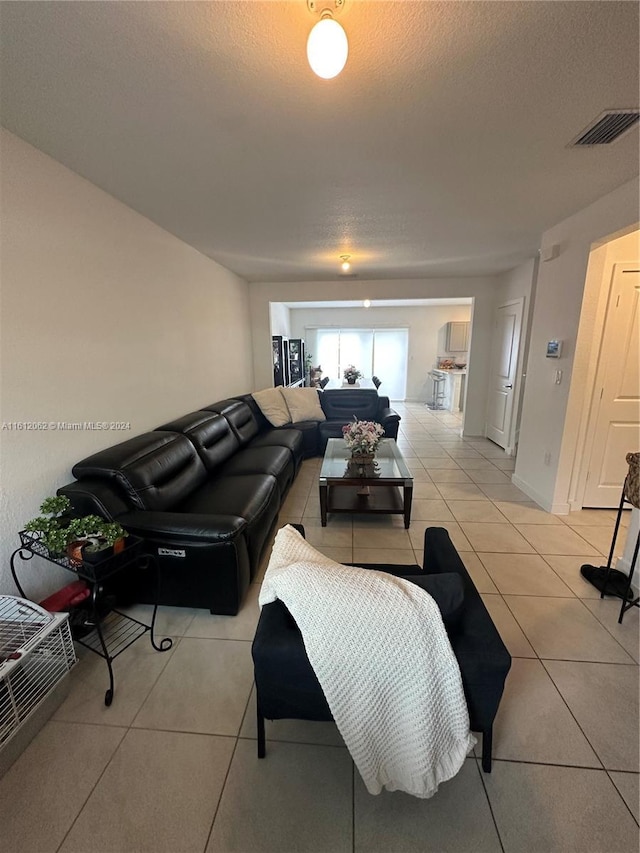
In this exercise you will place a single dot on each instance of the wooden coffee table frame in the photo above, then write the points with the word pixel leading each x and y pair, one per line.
pixel 388 495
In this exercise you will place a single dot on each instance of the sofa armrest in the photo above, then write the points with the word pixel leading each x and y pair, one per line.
pixel 95 497
pixel 387 414
pixel 196 527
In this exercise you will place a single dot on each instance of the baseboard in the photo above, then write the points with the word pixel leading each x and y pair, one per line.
pixel 554 508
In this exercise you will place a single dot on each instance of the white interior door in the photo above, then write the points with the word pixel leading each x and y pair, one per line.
pixel 507 324
pixel 614 423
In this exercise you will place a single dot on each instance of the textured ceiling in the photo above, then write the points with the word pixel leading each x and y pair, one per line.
pixel 440 150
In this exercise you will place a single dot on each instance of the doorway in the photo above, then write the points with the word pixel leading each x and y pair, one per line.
pixel 614 419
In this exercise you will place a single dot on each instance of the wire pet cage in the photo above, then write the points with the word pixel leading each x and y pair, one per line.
pixel 36 652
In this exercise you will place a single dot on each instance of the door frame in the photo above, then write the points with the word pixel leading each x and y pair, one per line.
pixel 514 426
pixel 588 342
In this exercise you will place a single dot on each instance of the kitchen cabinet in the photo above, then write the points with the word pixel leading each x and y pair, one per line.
pixel 457 337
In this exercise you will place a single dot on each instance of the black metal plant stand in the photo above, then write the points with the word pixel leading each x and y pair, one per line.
pixel 110 635
pixel 612 581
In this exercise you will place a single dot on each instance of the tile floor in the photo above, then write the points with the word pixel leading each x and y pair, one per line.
pixel 172 765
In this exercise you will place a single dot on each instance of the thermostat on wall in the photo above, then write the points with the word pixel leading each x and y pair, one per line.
pixel 554 349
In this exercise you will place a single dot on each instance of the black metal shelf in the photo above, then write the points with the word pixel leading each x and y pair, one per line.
pixel 89 571
pixel 109 634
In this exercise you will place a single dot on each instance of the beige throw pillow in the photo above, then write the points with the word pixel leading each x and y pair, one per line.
pixel 303 404
pixel 272 405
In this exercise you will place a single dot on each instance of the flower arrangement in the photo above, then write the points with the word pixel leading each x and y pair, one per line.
pixel 362 437
pixel 351 373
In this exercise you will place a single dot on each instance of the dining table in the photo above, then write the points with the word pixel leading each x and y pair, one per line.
pixel 343 384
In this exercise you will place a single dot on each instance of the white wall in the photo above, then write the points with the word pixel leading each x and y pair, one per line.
pixel 551 413
pixel 481 289
pixel 105 317
pixel 280 320
pixel 426 325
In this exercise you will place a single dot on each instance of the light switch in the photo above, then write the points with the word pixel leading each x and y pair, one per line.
pixel 558 377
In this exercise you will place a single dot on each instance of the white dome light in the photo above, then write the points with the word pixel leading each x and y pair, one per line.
pixel 327 48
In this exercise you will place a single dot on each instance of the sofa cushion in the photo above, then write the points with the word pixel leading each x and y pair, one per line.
pixel 447 590
pixel 276 461
pixel 156 470
pixel 210 434
pixel 329 429
pixel 273 406
pixel 240 417
pixel 343 404
pixel 254 497
pixel 303 404
pixel 281 437
pixel 269 435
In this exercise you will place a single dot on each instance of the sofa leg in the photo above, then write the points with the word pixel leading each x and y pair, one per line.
pixel 487 737
pixel 261 737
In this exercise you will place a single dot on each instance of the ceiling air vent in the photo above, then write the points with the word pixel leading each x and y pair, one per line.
pixel 607 128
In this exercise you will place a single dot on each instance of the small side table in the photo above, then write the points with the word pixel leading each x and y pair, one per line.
pixel 115 632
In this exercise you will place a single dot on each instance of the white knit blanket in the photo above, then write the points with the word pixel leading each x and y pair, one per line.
pixel 380 651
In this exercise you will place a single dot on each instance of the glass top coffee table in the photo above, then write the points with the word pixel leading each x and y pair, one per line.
pixel 382 485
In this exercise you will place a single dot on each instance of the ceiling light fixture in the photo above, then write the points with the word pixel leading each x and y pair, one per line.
pixel 367 303
pixel 345 265
pixel 327 45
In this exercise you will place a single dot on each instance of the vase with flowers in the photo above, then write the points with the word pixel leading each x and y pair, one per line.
pixel 351 374
pixel 362 438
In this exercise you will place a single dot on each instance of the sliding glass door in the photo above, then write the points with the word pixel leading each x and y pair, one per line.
pixel 390 347
pixel 375 352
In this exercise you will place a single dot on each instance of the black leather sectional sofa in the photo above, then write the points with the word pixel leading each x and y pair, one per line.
pixel 204 491
pixel 339 406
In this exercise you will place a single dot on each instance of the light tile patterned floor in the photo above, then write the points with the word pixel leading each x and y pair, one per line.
pixel 172 765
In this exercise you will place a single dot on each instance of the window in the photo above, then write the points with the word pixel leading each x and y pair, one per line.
pixel 375 352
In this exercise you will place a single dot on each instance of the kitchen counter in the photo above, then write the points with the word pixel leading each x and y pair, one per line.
pixel 455 384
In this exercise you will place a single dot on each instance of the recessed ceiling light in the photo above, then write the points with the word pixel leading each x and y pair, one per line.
pixel 367 303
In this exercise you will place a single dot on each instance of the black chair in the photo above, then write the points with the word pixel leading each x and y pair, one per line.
pixel 376 381
pixel 287 687
pixel 324 381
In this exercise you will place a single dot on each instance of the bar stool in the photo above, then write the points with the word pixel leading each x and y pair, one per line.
pixel 437 392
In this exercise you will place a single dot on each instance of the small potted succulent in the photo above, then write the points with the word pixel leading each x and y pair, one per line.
pixel 89 538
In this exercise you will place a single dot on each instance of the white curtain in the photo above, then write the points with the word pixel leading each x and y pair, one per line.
pixel 375 352
pixel 328 346
pixel 390 348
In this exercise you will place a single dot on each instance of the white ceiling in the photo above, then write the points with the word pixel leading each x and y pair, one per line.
pixel 440 150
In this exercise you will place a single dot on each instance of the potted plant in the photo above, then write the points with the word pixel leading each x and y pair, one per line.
pixel 87 538
pixel 351 374
pixel 95 537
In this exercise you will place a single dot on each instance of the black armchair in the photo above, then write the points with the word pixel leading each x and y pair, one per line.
pixel 287 687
